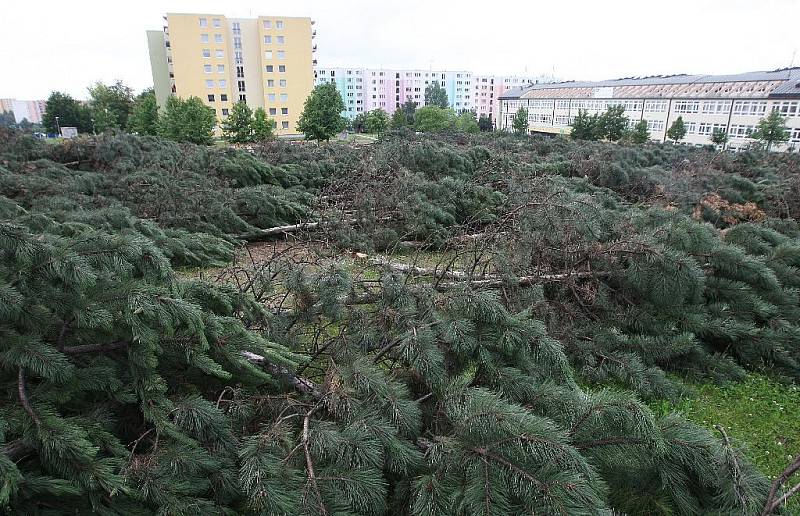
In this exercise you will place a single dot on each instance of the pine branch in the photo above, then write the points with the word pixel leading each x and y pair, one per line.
pixel 608 441
pixel 309 463
pixel 90 348
pixel 737 473
pixel 771 505
pixel 489 281
pixel 16 449
pixel 23 396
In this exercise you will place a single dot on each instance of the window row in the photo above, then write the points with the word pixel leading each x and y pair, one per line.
pixel 716 107
pixel 215 22
pixel 223 83
pixel 655 106
pixel 271 83
pixel 750 107
pixel 740 131
pixel 208 68
pixel 281 69
pixel 708 128
pixel 204 38
pixel 655 125
pixel 268 24
pixel 786 108
pixel 281 54
pixel 219 53
pixel 280 40
pixel 540 118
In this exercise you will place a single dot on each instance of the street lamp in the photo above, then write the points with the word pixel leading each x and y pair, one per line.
pixel 58 127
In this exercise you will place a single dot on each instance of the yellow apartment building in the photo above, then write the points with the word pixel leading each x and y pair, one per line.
pixel 266 62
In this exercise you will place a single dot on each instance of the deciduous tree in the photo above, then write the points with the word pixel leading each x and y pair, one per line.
pixel 640 134
pixel 187 121
pixel 520 121
pixel 771 130
pixel 263 126
pixel 677 131
pixel 69 111
pixel 436 96
pixel 238 126
pixel 322 118
pixel 144 114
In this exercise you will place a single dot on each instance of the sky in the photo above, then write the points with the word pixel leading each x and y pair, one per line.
pixel 79 42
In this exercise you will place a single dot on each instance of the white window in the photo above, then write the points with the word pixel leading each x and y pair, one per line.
pixel 271 97
pixel 238 57
pixel 284 97
pixel 691 127
pixel 267 39
pixel 203 22
pixel 786 108
pixel 216 22
pixel 203 38
pixel 281 54
pixel 209 83
pixel 270 83
pixel 686 106
pixel 206 52
pixel 220 68
pixel 282 83
pixel 207 68
pixel 219 53
pixel 217 38
pixel 267 24
pixel 750 107
pixel 224 111
pixel 268 54
pixel 280 40
pixel 223 83
pixel 281 68
pixel 284 124
pixel 741 131
pixel 270 68
pixel 273 111
pixel 279 24
pixel 795 136
pixel 716 107
pixel 655 125
pixel 284 111
pixel 655 106
pixel 706 128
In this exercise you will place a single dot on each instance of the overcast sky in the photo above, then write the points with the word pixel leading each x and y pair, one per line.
pixel 66 45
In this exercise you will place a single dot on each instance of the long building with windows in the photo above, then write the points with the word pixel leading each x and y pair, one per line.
pixel 365 89
pixel 734 103
pixel 266 62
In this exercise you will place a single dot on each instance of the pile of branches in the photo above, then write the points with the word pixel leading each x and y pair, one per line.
pixel 492 359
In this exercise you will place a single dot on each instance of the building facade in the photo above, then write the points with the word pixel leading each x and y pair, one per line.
pixel 365 89
pixel 487 90
pixel 734 103
pixel 266 62
pixel 30 110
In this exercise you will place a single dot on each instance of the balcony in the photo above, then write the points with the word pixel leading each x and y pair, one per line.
pixel 314 48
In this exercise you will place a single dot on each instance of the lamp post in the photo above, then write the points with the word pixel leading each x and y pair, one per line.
pixel 58 127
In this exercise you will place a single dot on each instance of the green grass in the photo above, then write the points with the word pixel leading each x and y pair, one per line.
pixel 760 413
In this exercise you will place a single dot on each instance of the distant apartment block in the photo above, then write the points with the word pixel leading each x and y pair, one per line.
pixel 734 103
pixel 365 89
pixel 30 110
pixel 266 62
pixel 488 88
